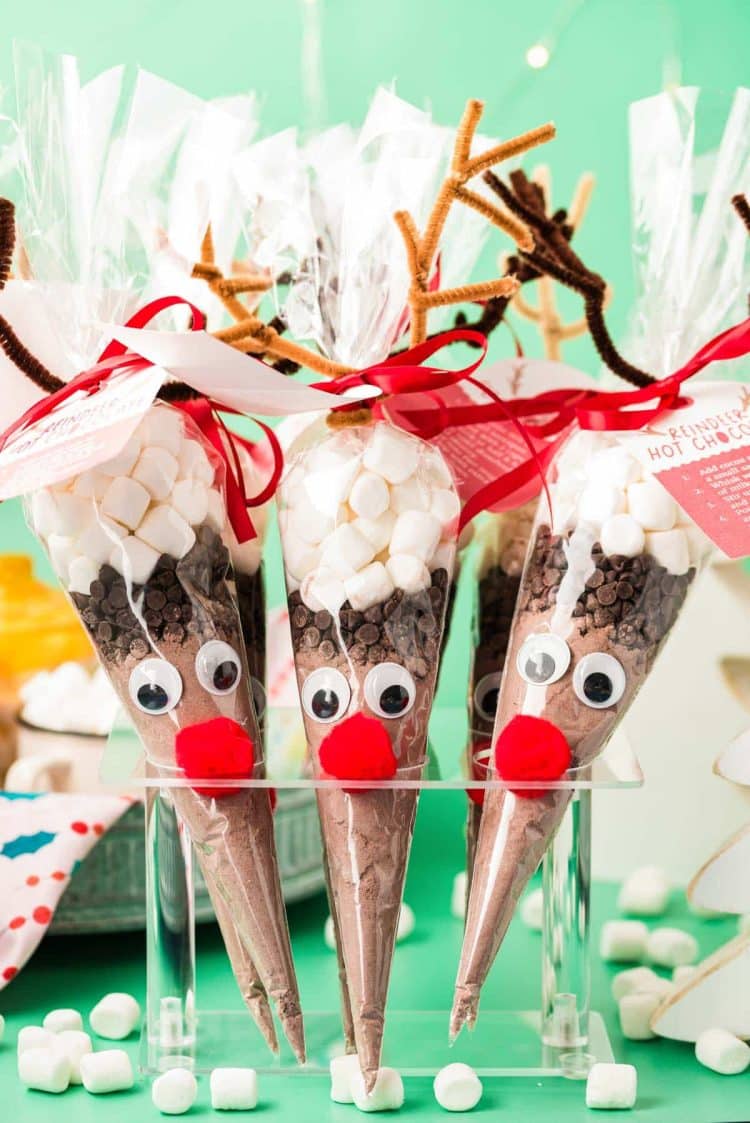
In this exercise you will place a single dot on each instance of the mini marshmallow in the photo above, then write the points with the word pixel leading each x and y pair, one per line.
pixel 387 1095
pixel 722 1052
pixel 300 558
pixel 91 484
pixel 343 1070
pixel 309 525
pixel 635 1015
pixel 166 532
pixel 417 533
pixel 611 1086
pixel 621 534
pixel 639 980
pixel 123 463
pixel 81 573
pixel 323 589
pixel 234 1089
pixel 369 496
pixel 61 551
pixel 126 501
pixel 346 551
pixel 72 513
pixel 115 1016
pixel 681 974
pixel 45 1070
pixel 74 1044
pixel 328 486
pixel 437 471
pixel 194 464
pixel 162 426
pixel 157 470
pixel 58 1020
pixel 190 499
pixel 651 505
pixel 699 546
pixel 377 531
pixel 457 1087
pixel 329 933
pixel 391 454
pixel 98 539
pixel 174 1092
pixel 623 941
pixel 458 895
pixel 108 1071
pixel 443 558
pixel 670 549
pixel 645 892
pixel 406 923
pixel 445 506
pixel 217 511
pixel 614 466
pixel 600 501
pixel 532 908
pixel 45 518
pixel 34 1037
pixel 671 947
pixel 368 587
pixel 408 573
pixel 412 495
pixel 134 559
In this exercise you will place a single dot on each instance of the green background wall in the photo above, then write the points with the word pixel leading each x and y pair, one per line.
pixel 439 52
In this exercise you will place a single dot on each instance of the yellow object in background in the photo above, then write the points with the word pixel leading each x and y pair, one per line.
pixel 38 627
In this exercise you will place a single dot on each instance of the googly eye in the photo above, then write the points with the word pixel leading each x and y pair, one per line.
pixel 155 686
pixel 326 695
pixel 218 667
pixel 599 680
pixel 543 659
pixel 259 696
pixel 390 690
pixel 486 695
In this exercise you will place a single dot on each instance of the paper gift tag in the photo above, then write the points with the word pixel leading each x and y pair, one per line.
pixel 716 995
pixel 723 883
pixel 701 454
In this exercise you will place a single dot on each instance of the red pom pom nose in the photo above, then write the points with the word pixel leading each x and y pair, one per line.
pixel 530 748
pixel 359 748
pixel 218 749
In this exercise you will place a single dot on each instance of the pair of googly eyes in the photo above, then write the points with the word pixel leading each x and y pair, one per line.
pixel 599 679
pixel 156 686
pixel 389 692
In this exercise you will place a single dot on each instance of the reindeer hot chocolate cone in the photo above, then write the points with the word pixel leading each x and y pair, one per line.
pixel 137 543
pixel 604 581
pixel 369 518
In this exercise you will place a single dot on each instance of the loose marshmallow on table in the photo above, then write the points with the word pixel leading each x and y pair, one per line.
pixel 391 454
pixel 722 1052
pixel 377 531
pixel 105 1072
pixel 532 908
pixel 611 1086
pixel 342 1071
pixel 74 1044
pixel 234 1089
pixel 671 947
pixel 126 501
pixel 81 573
pixel 346 551
pixel 457 1087
pixel 190 499
pixel 406 923
pixel 639 980
pixel 58 1020
pixel 45 1070
pixel 166 531
pixel 458 895
pixel 387 1095
pixel 670 549
pixel 115 1016
pixel 134 559
pixel 645 892
pixel 369 496
pixel 623 941
pixel 157 471
pixel 408 573
pixel 651 505
pixel 635 1015
pixel 621 534
pixel 34 1037
pixel 370 586
pixel 175 1091
pixel 417 533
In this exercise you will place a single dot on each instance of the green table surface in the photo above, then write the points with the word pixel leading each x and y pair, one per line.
pixel 68 971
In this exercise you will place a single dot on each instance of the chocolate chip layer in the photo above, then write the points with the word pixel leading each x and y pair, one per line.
pixel 404 629
pixel 498 591
pixel 251 601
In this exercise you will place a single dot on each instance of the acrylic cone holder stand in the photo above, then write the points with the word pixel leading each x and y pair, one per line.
pixel 561 1038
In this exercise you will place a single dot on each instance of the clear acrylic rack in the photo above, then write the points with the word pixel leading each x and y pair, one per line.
pixel 563 1037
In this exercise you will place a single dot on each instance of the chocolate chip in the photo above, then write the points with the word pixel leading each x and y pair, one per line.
pixel 603 617
pixel 152 619
pixel 108 575
pixel 300 617
pixel 427 624
pixel 625 590
pixel 391 605
pixel 377 654
pixel 358 653
pixel 174 632
pixel 104 631
pixel 139 648
pixel 311 637
pixel 97 591
pixel 327 649
pixel 551 576
pixel 155 599
pixel 367 634
pixel 595 580
pixel 173 613
pixel 440 578
pixel 323 620
pixel 374 614
pixel 118 596
pixel 606 594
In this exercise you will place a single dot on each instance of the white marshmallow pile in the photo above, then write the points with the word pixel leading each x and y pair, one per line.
pixel 44 1070
pixel 234 1089
pixel 70 700
pixel 65 1039
pixel 145 502
pixel 611 1086
pixel 58 1020
pixel 600 484
pixel 457 1088
pixel 365 512
pixel 722 1052
pixel 387 1095
pixel 106 1072
pixel 623 941
pixel 342 1071
pixel 645 892
pixel 635 1012
pixel 671 947
pixel 75 1044
pixel 174 1092
pixel 115 1016
pixel 639 980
